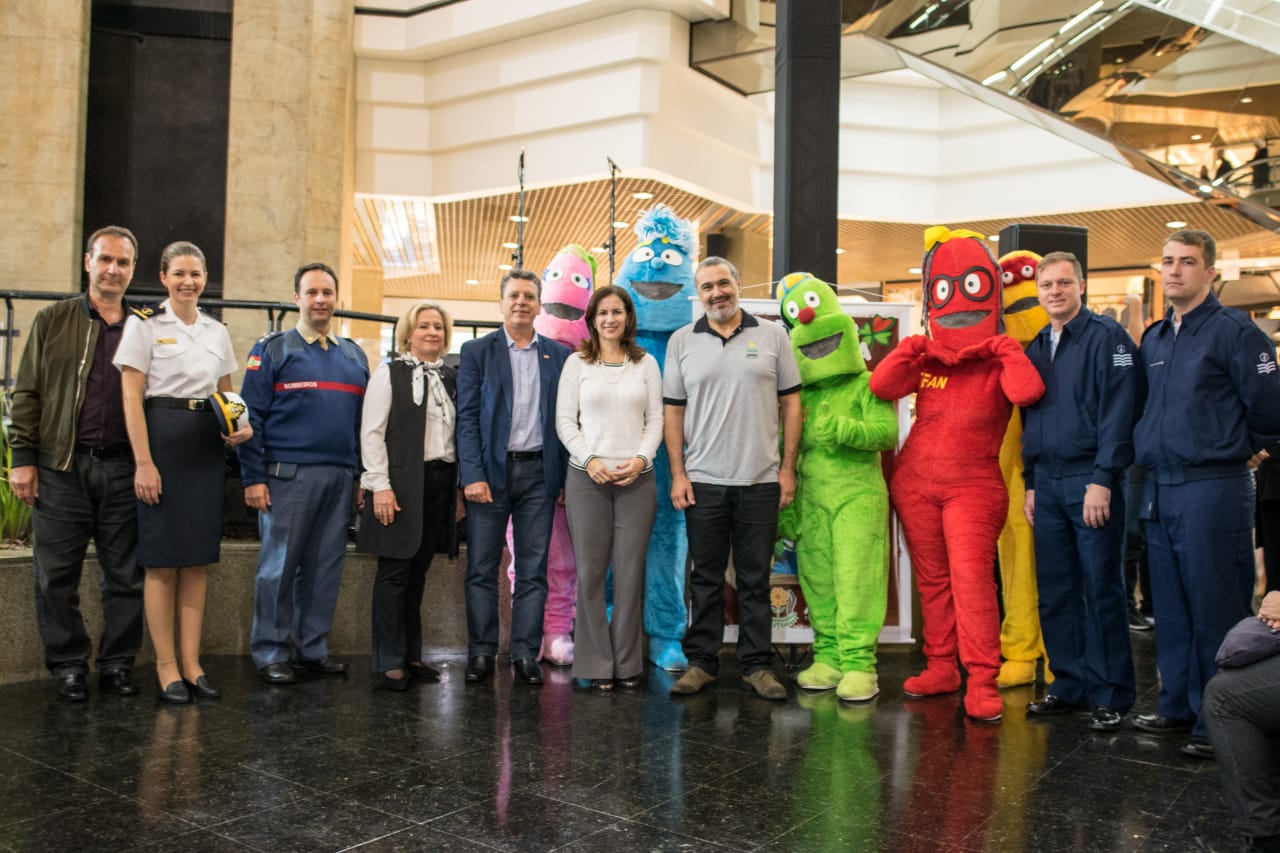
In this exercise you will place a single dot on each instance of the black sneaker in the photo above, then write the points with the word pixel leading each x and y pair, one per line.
pixel 1138 622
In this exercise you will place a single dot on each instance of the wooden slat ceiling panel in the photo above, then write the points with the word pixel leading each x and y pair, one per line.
pixel 470 233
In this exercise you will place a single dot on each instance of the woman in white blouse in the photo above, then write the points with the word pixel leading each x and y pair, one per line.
pixel 169 365
pixel 609 417
pixel 410 480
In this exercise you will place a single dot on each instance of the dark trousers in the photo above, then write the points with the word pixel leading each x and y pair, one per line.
pixel 94 499
pixel 1269 539
pixel 1242 715
pixel 1200 546
pixel 530 508
pixel 1082 600
pixel 743 519
pixel 398 584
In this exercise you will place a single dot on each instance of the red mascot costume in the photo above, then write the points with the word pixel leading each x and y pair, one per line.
pixel 947 487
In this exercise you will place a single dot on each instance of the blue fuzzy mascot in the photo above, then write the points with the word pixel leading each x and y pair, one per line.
pixel 659 277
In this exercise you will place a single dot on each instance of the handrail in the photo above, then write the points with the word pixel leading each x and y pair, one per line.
pixel 1244 171
pixel 275 316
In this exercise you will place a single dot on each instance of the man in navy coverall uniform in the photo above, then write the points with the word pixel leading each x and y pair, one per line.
pixel 1076 449
pixel 1213 402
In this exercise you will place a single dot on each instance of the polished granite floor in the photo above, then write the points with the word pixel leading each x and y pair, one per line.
pixel 331 764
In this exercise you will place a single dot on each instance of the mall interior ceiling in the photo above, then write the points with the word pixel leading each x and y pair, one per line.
pixel 1085 72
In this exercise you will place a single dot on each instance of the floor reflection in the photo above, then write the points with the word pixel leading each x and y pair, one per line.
pixel 332 764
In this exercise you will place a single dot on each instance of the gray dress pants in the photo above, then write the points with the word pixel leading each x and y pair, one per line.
pixel 610 527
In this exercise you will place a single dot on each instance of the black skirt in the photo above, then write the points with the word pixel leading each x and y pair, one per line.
pixel 185 528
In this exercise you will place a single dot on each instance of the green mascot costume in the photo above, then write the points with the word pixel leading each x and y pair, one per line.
pixel 842 505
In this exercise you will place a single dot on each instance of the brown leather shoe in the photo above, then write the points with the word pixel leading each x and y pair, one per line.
pixel 765 685
pixel 694 679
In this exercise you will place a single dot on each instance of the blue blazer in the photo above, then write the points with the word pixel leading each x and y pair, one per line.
pixel 484 411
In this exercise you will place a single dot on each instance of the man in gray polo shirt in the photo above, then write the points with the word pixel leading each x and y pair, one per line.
pixel 728 376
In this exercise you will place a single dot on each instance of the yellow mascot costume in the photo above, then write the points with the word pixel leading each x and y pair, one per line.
pixel 1020 642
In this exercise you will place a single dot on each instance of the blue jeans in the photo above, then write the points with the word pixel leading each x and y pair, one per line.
pixel 304 543
pixel 743 519
pixel 530 508
pixel 92 500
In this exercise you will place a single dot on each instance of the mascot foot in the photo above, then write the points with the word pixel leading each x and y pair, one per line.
pixel 1014 673
pixel 557 649
pixel 858 687
pixel 667 654
pixel 820 676
pixel 937 678
pixel 982 701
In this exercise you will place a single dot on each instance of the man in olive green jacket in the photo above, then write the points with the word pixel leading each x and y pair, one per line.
pixel 73 466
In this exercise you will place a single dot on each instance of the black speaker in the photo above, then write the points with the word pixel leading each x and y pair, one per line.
pixel 1043 239
pixel 717 245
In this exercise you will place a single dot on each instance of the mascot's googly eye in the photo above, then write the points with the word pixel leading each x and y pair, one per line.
pixel 1007 277
pixel 972 284
pixel 941 291
pixel 580 280
pixel 672 257
pixel 553 275
pixel 1028 271
pixel 812 299
pixel 644 253
pixel 792 310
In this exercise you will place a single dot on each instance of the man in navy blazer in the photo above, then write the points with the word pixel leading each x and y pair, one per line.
pixel 512 467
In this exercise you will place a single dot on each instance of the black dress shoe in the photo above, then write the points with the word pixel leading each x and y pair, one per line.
pixel 424 672
pixel 479 667
pixel 1049 706
pixel 527 670
pixel 72 687
pixel 1104 719
pixel 202 689
pixel 117 681
pixel 1158 724
pixel 395 685
pixel 277 673
pixel 176 693
pixel 602 685
pixel 322 666
pixel 629 683
pixel 1199 747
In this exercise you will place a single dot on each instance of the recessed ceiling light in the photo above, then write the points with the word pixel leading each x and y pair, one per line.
pixel 1119 60
pixel 620 224
pixel 1175 223
pixel 1195 137
pixel 642 196
pixel 473 281
pixel 598 249
pixel 511 245
pixel 1205 188
pixel 994 238
pixel 1246 100
pixel 914 270
pixel 515 218
pixel 504 266
pixel 839 251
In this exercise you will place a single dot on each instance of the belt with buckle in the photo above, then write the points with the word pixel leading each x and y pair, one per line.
pixel 523 455
pixel 189 404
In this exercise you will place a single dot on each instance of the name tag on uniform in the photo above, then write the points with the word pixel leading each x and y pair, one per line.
pixel 166 340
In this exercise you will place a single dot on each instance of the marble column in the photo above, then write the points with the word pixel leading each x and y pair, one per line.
pixel 289 137
pixel 44 79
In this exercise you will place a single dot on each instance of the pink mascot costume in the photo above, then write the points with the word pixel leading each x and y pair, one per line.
pixel 946 486
pixel 566 288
